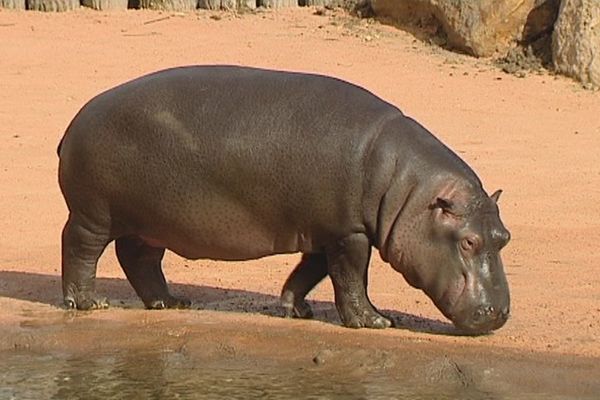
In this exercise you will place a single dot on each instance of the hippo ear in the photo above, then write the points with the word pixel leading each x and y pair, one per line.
pixel 496 195
pixel 445 205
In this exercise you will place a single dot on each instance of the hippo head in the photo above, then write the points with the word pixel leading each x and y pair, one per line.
pixel 452 252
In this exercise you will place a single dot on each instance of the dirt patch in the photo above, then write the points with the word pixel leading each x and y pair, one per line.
pixel 535 57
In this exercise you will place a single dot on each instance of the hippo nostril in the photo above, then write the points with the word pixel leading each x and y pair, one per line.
pixel 484 311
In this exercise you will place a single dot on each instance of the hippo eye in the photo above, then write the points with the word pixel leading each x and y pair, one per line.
pixel 468 244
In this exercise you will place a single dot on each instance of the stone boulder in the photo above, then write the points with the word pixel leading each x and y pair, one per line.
pixel 576 41
pixel 480 28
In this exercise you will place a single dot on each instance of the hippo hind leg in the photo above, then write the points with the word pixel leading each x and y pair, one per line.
pixel 142 266
pixel 82 244
pixel 310 271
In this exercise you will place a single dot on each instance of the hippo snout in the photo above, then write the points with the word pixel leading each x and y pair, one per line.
pixel 483 319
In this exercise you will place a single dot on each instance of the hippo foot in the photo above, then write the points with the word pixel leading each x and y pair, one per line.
pixel 367 320
pixel 169 302
pixel 90 302
pixel 293 308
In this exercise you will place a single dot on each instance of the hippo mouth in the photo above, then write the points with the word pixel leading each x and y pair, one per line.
pixel 482 321
pixel 469 320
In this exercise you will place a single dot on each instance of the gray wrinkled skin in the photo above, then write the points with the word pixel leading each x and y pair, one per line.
pixel 233 163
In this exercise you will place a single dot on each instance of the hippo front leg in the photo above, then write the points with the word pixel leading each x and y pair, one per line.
pixel 348 261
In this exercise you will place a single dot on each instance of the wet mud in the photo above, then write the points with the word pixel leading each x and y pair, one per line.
pixel 119 353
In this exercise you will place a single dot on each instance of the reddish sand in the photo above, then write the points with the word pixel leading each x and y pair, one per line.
pixel 535 137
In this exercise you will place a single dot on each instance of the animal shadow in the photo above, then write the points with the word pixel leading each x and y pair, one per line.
pixel 41 288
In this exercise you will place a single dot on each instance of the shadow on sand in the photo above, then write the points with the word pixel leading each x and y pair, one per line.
pixel 46 289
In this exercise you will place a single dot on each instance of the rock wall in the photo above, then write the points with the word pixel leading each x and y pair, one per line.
pixel 576 41
pixel 480 28
pixel 562 33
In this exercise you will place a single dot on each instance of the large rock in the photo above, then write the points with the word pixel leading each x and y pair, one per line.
pixel 477 27
pixel 576 41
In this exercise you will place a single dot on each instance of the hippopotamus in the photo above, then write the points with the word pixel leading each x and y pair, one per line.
pixel 237 163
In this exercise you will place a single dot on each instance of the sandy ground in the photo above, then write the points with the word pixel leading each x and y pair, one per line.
pixel 535 137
